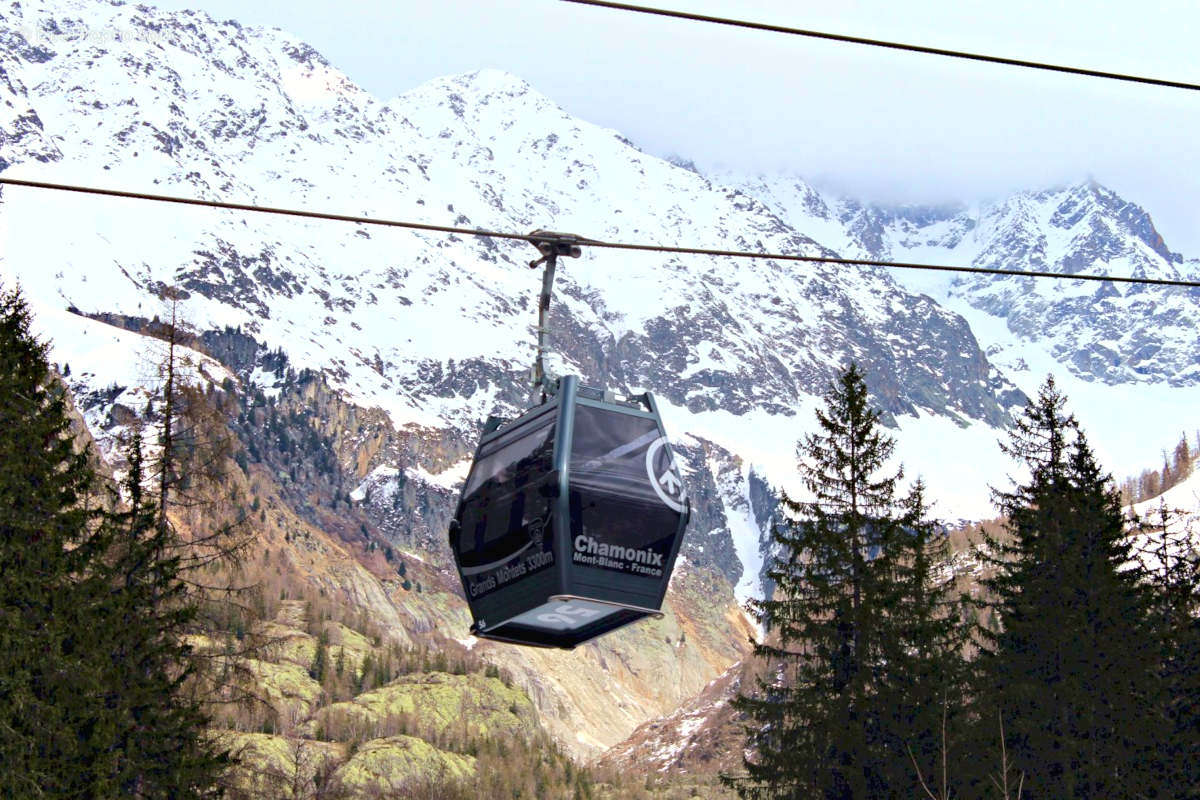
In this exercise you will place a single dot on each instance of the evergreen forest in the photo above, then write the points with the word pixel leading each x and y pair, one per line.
pixel 1070 669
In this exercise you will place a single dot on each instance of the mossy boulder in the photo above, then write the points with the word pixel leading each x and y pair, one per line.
pixel 286 687
pixel 439 703
pixel 268 766
pixel 288 644
pixel 388 767
pixel 435 705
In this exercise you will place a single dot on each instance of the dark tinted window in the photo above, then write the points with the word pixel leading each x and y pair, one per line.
pixel 609 452
pixel 504 511
pixel 513 459
pixel 604 519
pixel 500 528
pixel 626 494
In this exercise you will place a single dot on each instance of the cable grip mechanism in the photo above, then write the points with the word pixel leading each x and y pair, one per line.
pixel 551 245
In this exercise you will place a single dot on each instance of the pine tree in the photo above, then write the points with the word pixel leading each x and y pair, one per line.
pixel 190 485
pixel 157 747
pixel 861 651
pixel 91 614
pixel 1071 667
pixel 924 697
pixel 1174 575
pixel 1182 463
pixel 48 689
pixel 320 664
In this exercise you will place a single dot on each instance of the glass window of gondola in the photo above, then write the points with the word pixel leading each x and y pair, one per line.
pixel 626 495
pixel 502 498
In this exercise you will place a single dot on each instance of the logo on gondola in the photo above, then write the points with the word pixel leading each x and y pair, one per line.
pixel 664 475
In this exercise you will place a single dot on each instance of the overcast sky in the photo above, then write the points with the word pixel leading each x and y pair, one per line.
pixel 886 126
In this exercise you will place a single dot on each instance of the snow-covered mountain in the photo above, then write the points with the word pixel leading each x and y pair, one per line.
pixel 413 338
pixel 486 150
pixel 433 329
pixel 436 330
pixel 1108 332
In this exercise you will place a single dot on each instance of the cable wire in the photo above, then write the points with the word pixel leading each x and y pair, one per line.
pixel 290 212
pixel 911 48
pixel 648 248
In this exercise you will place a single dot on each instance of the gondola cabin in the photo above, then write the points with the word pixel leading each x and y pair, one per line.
pixel 570 519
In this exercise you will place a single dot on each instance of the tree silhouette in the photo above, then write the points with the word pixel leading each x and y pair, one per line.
pixel 862 645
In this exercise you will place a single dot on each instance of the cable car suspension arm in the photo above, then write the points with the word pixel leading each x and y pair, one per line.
pixel 551 245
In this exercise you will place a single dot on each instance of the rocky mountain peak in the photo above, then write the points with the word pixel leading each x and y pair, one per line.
pixel 1113 333
pixel 482 84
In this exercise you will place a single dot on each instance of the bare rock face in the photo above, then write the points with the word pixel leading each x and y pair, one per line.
pixel 703 737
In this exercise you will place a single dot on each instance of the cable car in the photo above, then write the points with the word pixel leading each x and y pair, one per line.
pixel 572 513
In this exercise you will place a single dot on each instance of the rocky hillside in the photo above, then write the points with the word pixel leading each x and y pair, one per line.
pixel 382 556
pixel 336 657
pixel 702 738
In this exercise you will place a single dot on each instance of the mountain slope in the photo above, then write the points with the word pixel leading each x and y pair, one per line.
pixel 432 330
pixel 211 108
pixel 1106 332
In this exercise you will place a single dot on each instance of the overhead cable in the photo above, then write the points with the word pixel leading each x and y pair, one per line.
pixel 648 248
pixel 290 212
pixel 911 48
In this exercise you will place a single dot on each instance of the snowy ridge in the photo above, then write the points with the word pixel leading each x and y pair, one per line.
pixel 436 330
pixel 1182 506
pixel 1107 332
